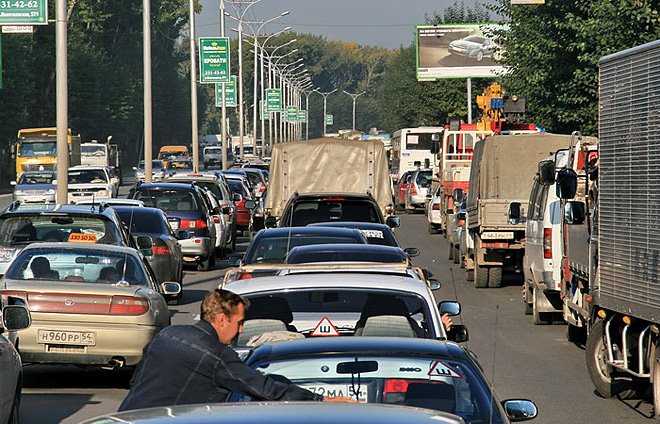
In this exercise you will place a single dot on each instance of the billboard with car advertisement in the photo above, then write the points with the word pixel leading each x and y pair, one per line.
pixel 457 51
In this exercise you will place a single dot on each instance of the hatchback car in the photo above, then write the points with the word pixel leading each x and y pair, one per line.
pixel 90 304
pixel 402 188
pixel 431 374
pixel 35 187
pixel 241 194
pixel 420 184
pixel 186 209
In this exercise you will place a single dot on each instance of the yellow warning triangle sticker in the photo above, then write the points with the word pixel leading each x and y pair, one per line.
pixel 325 328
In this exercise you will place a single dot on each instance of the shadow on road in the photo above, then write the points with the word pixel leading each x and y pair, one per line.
pixel 72 377
pixel 53 408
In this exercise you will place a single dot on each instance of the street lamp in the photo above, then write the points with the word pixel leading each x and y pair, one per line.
pixel 325 98
pixel 354 97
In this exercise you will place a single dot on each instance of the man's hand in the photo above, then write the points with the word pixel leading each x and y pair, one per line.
pixel 447 322
pixel 339 399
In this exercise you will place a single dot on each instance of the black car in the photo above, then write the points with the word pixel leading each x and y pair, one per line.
pixel 379 234
pixel 345 253
pixel 431 374
pixel 166 259
pixel 305 209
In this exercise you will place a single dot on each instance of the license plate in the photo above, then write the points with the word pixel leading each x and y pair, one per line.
pixel 337 390
pixel 497 235
pixel 174 225
pixel 84 338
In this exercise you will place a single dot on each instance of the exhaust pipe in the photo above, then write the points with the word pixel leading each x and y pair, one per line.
pixel 114 363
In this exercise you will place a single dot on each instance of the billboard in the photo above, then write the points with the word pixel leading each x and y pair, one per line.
pixel 457 51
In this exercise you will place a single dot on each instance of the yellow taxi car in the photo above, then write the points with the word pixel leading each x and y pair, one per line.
pixel 90 304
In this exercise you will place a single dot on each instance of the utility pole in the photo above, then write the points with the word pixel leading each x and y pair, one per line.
pixel 354 97
pixel 193 89
pixel 146 89
pixel 224 93
pixel 62 108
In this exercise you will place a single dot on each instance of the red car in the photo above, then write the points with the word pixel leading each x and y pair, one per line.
pixel 404 181
pixel 238 186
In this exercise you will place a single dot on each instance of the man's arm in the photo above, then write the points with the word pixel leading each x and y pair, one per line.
pixel 234 374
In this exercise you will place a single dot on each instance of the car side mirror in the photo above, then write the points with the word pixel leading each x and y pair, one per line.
pixel 145 244
pixel 575 213
pixel 13 183
pixel 226 210
pixel 449 307
pixel 459 196
pixel 250 204
pixel 411 251
pixel 547 172
pixel 237 197
pixel 393 221
pixel 566 183
pixel 458 333
pixel 234 260
pixel 434 284
pixel 514 213
pixel 171 288
pixel 15 317
pixel 182 234
pixel 520 409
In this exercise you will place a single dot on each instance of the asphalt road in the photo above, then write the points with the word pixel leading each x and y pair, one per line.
pixel 521 360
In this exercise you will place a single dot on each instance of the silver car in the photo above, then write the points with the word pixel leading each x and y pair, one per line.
pixel 475 47
pixel 157 171
pixel 418 188
pixel 35 187
pixel 12 318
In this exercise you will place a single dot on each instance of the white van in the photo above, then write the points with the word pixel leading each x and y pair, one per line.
pixel 543 251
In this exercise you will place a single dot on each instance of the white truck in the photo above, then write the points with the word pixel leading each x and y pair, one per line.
pixel 95 153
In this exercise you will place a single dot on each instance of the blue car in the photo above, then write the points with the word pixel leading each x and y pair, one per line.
pixel 35 187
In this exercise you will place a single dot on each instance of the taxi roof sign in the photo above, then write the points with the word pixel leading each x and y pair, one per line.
pixel 325 328
pixel 82 238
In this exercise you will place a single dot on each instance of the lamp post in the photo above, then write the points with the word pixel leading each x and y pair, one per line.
pixel 354 97
pixel 62 107
pixel 273 126
pixel 193 90
pixel 325 98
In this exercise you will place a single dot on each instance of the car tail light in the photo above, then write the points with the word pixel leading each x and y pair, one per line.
pixel 246 276
pixel 216 219
pixel 331 198
pixel 436 206
pixel 547 243
pixel 262 187
pixel 6 293
pixel 404 186
pixel 128 305
pixel 193 223
pixel 412 189
pixel 395 389
pixel 160 250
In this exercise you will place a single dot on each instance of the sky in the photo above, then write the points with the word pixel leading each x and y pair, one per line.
pixel 383 23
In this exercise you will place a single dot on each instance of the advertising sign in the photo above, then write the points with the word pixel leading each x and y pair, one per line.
pixel 17 29
pixel 329 119
pixel 273 100
pixel 230 93
pixel 292 113
pixel 32 12
pixel 457 51
pixel 213 60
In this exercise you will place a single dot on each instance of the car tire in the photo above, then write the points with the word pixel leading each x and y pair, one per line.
pixel 432 229
pixel 14 415
pixel 655 380
pixel 495 277
pixel 480 275
pixel 204 264
pixel 480 56
pixel 451 253
pixel 220 252
pixel 576 335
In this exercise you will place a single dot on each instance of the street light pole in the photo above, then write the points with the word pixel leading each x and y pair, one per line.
pixel 354 97
pixel 62 108
pixel 224 94
pixel 325 112
pixel 193 90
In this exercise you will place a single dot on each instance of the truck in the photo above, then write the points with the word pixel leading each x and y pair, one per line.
pixel 106 154
pixel 623 294
pixel 36 150
pixel 501 177
pixel 328 166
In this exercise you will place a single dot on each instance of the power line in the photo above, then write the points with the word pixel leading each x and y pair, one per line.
pixel 336 26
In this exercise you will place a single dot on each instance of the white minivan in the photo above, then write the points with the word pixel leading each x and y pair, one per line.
pixel 543 251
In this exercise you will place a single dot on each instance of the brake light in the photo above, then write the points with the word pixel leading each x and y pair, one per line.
pixel 547 243
pixel 246 276
pixel 395 389
pixel 193 223
pixel 6 293
pixel 412 189
pixel 128 305
pixel 216 219
pixel 160 250
pixel 436 206
pixel 262 188
pixel 333 198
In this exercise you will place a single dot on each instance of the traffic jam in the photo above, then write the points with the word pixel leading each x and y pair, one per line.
pixel 334 302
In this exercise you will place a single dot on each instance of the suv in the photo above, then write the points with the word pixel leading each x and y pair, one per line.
pixel 186 209
pixel 89 182
pixel 21 226
pixel 418 187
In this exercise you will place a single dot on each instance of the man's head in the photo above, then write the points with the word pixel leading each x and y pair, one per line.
pixel 225 311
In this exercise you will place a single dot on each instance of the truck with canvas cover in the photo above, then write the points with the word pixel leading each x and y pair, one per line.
pixel 331 171
pixel 623 347
pixel 501 177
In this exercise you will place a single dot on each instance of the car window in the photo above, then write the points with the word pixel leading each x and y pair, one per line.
pixel 142 222
pixel 328 255
pixel 532 199
pixel 273 250
pixel 213 187
pixel 237 186
pixel 25 229
pixel 87 176
pixel 169 200
pixel 78 265
pixel 424 178
pixel 350 312
pixel 307 212
pixel 36 178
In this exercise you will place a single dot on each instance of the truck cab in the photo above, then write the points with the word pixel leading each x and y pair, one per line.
pixel 36 150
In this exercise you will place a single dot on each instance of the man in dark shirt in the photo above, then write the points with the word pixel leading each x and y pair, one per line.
pixel 186 364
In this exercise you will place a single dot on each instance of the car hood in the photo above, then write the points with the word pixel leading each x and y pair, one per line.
pixel 35 187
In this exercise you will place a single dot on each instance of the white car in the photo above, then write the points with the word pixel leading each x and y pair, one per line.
pixel 12 318
pixel 433 211
pixel 157 171
pixel 90 183
pixel 215 210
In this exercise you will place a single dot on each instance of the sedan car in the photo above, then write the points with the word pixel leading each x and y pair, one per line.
pixel 431 374
pixel 90 304
pixel 12 318
pixel 241 194
pixel 475 47
pixel 35 187
pixel 89 182
pixel 157 171
pixel 433 210
pixel 402 188
pixel 280 413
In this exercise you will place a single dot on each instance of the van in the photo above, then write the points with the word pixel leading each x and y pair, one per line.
pixel 167 152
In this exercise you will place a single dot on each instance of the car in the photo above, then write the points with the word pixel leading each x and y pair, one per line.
pixel 212 156
pixel 258 178
pixel 433 210
pixel 345 303
pixel 379 234
pixel 346 253
pixel 305 209
pixel 418 188
pixel 89 182
pixel 262 164
pixel 475 47
pixel 35 187
pixel 258 219
pixel 177 166
pixel 241 194
pixel 166 258
pixel 157 171
pixel 455 233
pixel 12 318
pixel 91 304
pixel 186 209
pixel 402 187
pixel 436 375
pixel 21 225
pixel 216 213
pixel 280 413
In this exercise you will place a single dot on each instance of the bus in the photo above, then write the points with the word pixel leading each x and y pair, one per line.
pixel 412 145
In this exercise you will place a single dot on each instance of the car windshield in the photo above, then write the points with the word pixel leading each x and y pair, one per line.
pixel 93 150
pixel 336 209
pixel 213 150
pixel 87 176
pixel 169 200
pixel 25 229
pixel 330 312
pixel 77 265
pixel 36 178
pixel 273 250
pixel 37 149
pixel 138 222
pixel 424 179
pixel 439 383
pixel 181 164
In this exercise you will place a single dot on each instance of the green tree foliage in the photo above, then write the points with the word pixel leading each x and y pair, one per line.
pixel 553 50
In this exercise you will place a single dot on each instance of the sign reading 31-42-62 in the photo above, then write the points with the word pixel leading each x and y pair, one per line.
pixel 23 12
pixel 213 60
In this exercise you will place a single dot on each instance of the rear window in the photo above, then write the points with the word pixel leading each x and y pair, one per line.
pixel 213 187
pixel 298 256
pixel 308 212
pixel 87 176
pixel 142 222
pixel 273 250
pixel 424 179
pixel 169 200
pixel 237 187
pixel 422 141
pixel 26 229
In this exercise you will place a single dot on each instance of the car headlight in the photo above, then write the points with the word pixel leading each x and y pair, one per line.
pixel 103 193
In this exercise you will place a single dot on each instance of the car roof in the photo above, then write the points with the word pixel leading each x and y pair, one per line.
pixel 140 210
pixel 331 196
pixel 48 208
pixel 82 246
pixel 375 249
pixel 367 345
pixel 352 224
pixel 164 186
pixel 301 231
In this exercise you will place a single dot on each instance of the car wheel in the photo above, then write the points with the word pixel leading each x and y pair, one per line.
pixel 480 55
pixel 596 352
pixel 432 229
pixel 204 264
pixel 220 252
pixel 577 335
pixel 212 258
pixel 15 407
pixel 451 252
pixel 495 277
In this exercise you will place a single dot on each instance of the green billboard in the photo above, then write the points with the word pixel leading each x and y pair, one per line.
pixel 230 93
pixel 273 100
pixel 213 60
pixel 329 119
pixel 32 12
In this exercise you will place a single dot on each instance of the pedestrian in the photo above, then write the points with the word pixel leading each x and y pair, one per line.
pixel 187 364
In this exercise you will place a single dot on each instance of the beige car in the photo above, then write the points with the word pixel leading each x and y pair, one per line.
pixel 90 304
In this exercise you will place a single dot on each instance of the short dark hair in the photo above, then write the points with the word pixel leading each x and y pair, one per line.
pixel 220 301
